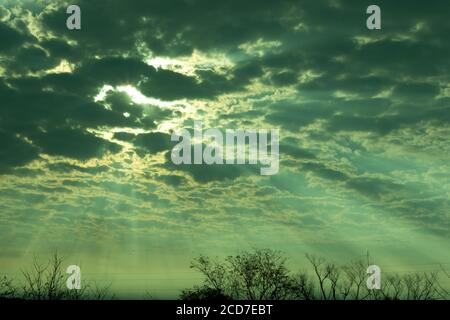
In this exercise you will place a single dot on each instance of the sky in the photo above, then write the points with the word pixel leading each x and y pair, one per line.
pixel 86 117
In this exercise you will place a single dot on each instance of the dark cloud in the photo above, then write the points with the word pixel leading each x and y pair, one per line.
pixel 416 91
pixel 289 146
pixel 124 136
pixel 324 172
pixel 168 85
pixel 405 116
pixel 67 167
pixel 381 125
pixel 366 86
pixel 175 28
pixel 205 173
pixel 61 49
pixel 294 116
pixel 284 78
pixel 30 59
pixel 121 102
pixel 363 107
pixel 93 74
pixel 15 152
pixel 153 142
pixel 172 180
pixel 29 108
pixel 114 71
pixel 407 58
pixel 74 144
pixel 11 38
pixel 374 188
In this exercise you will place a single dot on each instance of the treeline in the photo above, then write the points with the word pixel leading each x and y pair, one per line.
pixel 261 274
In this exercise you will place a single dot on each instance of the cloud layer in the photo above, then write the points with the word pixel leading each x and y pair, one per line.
pixel 86 118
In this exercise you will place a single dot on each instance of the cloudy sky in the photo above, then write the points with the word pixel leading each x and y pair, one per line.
pixel 86 117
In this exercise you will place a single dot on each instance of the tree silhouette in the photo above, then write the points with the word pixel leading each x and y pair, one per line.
pixel 257 275
pixel 263 275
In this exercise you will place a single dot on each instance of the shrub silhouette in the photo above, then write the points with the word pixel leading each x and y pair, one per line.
pixel 47 281
pixel 7 288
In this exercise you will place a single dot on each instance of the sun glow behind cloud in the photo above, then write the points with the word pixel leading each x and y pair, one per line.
pixel 188 65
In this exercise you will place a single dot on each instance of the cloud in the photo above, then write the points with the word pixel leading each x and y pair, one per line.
pixel 11 38
pixel 290 146
pixel 30 59
pixel 153 142
pixel 74 144
pixel 172 180
pixel 204 173
pixel 64 167
pixel 322 171
pixel 168 85
pixel 294 116
pixel 15 152
pixel 170 30
pixel 374 188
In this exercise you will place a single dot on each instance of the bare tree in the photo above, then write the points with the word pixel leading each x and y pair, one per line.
pixel 322 270
pixel 393 287
pixel 45 281
pixel 303 287
pixel 356 276
pixel 420 286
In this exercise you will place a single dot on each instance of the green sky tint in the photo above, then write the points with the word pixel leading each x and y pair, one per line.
pixel 86 118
